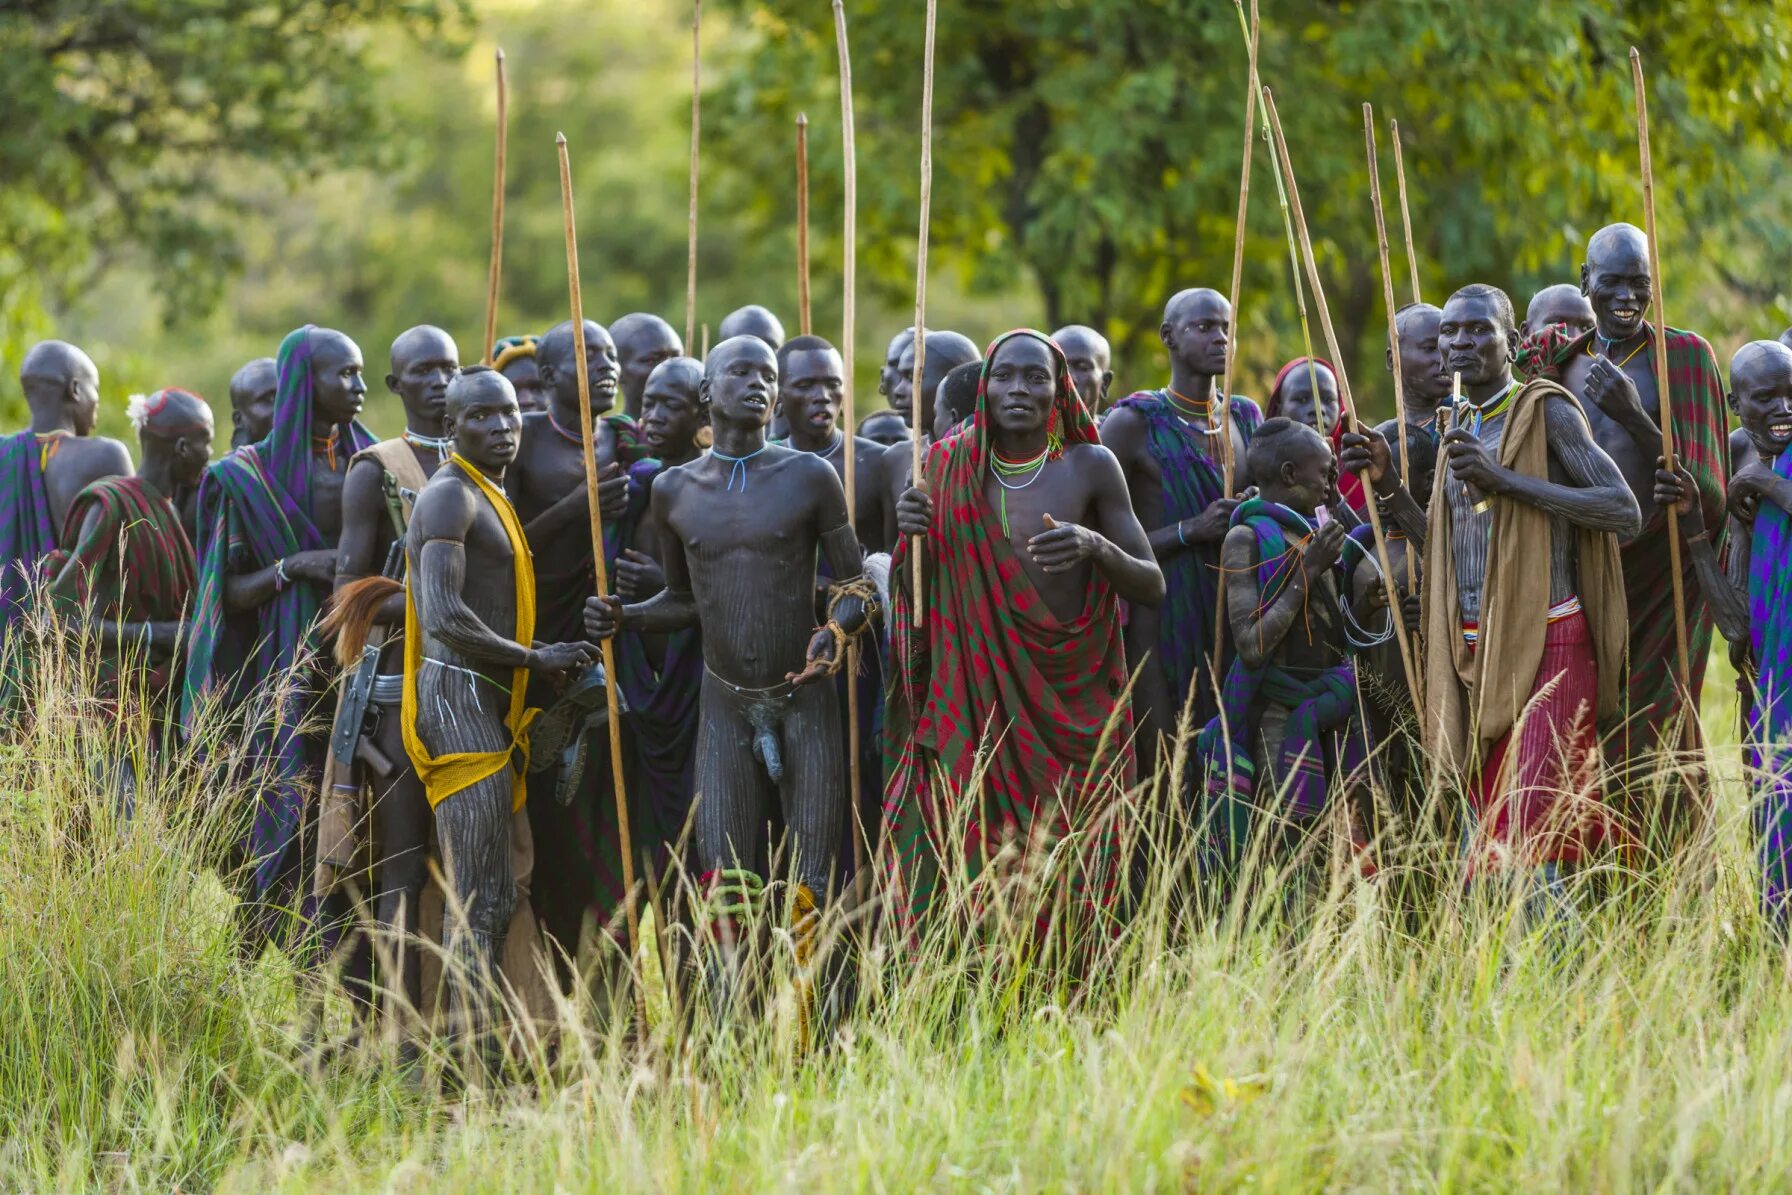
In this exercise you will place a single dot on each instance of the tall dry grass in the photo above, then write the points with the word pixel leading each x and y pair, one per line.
pixel 1311 1031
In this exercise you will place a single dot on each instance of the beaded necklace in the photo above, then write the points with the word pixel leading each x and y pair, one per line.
pixel 49 444
pixel 327 446
pixel 1005 468
pixel 442 444
pixel 1643 344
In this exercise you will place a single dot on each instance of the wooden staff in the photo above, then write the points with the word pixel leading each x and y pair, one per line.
pixel 1661 379
pixel 1349 409
pixel 690 271
pixel 588 430
pixel 1412 259
pixel 1387 296
pixel 920 604
pixel 849 280
pixel 491 287
pixel 802 225
pixel 1224 414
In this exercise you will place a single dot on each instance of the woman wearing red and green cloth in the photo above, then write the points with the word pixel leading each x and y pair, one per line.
pixel 1015 677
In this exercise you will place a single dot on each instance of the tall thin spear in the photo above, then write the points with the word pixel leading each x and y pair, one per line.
pixel 849 281
pixel 1412 259
pixel 1349 408
pixel 1661 377
pixel 497 270
pixel 802 227
pixel 690 274
pixel 921 289
pixel 588 429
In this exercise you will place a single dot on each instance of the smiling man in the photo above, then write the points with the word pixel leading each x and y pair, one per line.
pixel 470 650
pixel 1015 680
pixel 1611 370
pixel 1525 483
pixel 270 515
pixel 742 527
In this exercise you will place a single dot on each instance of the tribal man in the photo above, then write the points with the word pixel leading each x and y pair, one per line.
pixel 1749 605
pixel 126 569
pixel 1612 371
pixel 741 528
pixel 514 357
pixel 1521 658
pixel 1286 734
pixel 469 654
pixel 643 340
pixel 884 427
pixel 956 399
pixel 573 818
pixel 1170 452
pixel 48 464
pixel 1562 304
pixel 892 366
pixel 1016 676
pixel 1091 361
pixel 252 402
pixel 946 351
pixel 269 517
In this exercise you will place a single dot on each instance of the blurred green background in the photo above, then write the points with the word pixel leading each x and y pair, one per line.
pixel 183 181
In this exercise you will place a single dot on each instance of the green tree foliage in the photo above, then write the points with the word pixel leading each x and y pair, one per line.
pixel 1092 148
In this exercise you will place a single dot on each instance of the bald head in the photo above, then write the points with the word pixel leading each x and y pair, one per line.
pixel 752 320
pixel 62 387
pixel 1090 360
pixel 945 351
pixel 476 385
pixel 1617 281
pixel 1180 301
pixel 252 391
pixel 1197 329
pixel 1761 395
pixel 745 346
pixel 643 341
pixel 1618 238
pixel 174 429
pixel 424 360
pixel 683 373
pixel 1559 304
pixel 425 340
pixel 1760 360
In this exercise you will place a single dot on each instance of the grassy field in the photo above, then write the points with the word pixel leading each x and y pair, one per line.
pixel 1358 1048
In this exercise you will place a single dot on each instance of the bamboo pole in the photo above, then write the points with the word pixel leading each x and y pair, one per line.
pixel 849 281
pixel 920 604
pixel 1223 415
pixel 1387 296
pixel 497 270
pixel 1412 259
pixel 1349 408
pixel 588 430
pixel 690 273
pixel 802 229
pixel 1661 381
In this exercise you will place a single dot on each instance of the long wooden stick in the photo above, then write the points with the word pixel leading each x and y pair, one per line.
pixel 491 288
pixel 916 404
pixel 588 430
pixel 1412 259
pixel 849 281
pixel 1223 408
pixel 1387 297
pixel 690 274
pixel 1349 408
pixel 1661 378
pixel 802 229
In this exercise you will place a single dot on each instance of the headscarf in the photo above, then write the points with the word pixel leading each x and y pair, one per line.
pixel 286 452
pixel 1350 486
pixel 1068 423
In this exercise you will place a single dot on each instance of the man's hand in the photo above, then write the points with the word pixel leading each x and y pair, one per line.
pixel 556 662
pixel 612 492
pixel 818 663
pixel 1412 611
pixel 1471 463
pixel 1610 389
pixel 1753 483
pixel 603 616
pixel 638 576
pixel 1210 525
pixel 318 565
pixel 1677 491
pixel 914 511
pixel 1063 546
pixel 1366 454
pixel 1323 550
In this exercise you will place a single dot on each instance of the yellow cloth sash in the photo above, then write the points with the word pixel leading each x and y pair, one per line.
pixel 445 775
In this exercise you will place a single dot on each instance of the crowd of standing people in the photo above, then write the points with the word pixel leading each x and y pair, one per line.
pixel 1070 592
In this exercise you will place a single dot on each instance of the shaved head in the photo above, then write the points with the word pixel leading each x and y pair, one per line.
pixel 61 385
pixel 752 320
pixel 1090 360
pixel 1073 337
pixel 638 328
pixel 1559 304
pixel 1760 361
pixel 56 363
pixel 1617 238
pixel 425 341
pixel 683 372
pixel 477 383
pixel 169 413
pixel 1183 298
pixel 735 346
